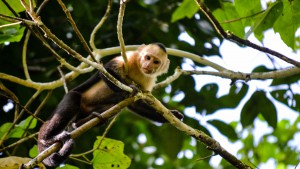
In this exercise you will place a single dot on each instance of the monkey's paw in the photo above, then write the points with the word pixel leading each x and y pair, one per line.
pixel 63 137
pixel 176 113
pixel 135 90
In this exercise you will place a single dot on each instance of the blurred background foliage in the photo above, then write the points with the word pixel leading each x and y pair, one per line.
pixel 152 145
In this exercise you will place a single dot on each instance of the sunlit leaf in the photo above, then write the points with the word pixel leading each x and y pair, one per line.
pixel 110 154
pixel 267 19
pixel 288 22
pixel 4 128
pixel 229 13
pixel 186 9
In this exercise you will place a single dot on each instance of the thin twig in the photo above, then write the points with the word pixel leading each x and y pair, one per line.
pixel 24 56
pixel 120 34
pixel 10 24
pixel 99 25
pixel 63 78
pixel 20 141
pixel 234 38
pixel 245 17
pixel 16 19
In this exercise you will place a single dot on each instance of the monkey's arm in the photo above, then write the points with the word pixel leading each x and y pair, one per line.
pixel 144 109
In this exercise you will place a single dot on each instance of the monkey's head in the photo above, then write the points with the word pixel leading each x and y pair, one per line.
pixel 153 59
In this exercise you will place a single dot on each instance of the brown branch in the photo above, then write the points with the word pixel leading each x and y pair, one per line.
pixel 120 34
pixel 99 25
pixel 234 38
pixel 19 142
pixel 16 19
pixel 70 51
pixel 197 134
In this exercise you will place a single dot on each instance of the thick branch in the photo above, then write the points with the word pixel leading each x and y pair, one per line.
pixel 197 134
pixel 232 75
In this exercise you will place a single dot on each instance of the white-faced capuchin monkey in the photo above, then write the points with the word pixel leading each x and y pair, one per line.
pixel 99 94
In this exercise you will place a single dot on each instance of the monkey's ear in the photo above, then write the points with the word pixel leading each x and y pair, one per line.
pixel 165 66
pixel 140 48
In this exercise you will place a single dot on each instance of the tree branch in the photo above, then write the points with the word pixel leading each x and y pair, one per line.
pixel 120 34
pixel 197 134
pixel 99 25
pixel 234 38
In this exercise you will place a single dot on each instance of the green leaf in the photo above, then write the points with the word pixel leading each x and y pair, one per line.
pixel 284 96
pixel 186 9
pixel 234 96
pixel 28 121
pixel 15 5
pixel 267 19
pixel 288 22
pixel 224 128
pixel 259 103
pixel 286 80
pixel 33 152
pixel 11 34
pixel 262 69
pixel 110 154
pixel 17 132
pixel 4 128
pixel 227 13
pixel 247 8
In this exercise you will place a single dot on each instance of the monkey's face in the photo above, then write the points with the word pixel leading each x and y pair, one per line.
pixel 150 64
pixel 152 60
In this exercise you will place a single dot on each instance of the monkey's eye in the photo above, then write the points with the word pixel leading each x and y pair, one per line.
pixel 147 57
pixel 156 62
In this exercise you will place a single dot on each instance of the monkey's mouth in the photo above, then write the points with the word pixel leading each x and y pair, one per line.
pixel 147 71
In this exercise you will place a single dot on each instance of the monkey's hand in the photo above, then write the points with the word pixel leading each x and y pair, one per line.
pixel 62 137
pixel 176 113
pixel 135 90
